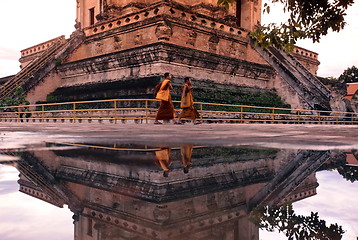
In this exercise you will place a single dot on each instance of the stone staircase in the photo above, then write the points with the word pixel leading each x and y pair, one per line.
pixel 308 87
pixel 40 178
pixel 37 70
pixel 289 177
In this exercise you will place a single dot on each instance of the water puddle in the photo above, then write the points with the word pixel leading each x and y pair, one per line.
pixel 79 190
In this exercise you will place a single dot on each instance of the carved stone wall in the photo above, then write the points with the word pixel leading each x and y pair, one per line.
pixel 102 10
pixel 156 59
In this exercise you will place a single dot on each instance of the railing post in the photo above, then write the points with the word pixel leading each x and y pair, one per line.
pixel 352 118
pixel 74 112
pixel 18 113
pixel 146 111
pixel 42 113
pixel 241 114
pixel 273 115
pixel 298 117
pixel 336 117
pixel 115 111
pixel 319 117
pixel 201 112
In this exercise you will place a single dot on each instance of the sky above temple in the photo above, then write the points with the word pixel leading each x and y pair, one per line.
pixel 27 23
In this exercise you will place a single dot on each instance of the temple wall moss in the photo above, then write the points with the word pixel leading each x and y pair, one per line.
pixel 204 91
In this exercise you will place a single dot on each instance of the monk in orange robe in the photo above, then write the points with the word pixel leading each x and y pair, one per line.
pixel 166 109
pixel 187 103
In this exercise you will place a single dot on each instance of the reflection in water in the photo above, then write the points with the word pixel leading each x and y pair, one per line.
pixel 186 154
pixel 145 192
pixel 163 160
pixel 284 219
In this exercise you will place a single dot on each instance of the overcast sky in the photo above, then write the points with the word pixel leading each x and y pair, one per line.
pixel 26 23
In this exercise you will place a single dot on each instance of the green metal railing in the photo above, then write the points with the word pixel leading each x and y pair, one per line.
pixel 144 111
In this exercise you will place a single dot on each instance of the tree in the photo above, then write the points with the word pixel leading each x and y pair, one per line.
pixel 308 19
pixel 17 100
pixel 349 75
pixel 284 219
pixel 349 173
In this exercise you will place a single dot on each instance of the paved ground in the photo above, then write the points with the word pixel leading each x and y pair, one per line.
pixel 318 137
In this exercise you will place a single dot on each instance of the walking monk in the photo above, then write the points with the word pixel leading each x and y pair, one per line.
pixel 187 103
pixel 166 109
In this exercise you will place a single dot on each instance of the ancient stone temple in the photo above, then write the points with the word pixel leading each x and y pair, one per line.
pixel 122 48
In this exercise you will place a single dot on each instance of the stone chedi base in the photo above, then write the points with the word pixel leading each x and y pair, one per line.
pixel 134 43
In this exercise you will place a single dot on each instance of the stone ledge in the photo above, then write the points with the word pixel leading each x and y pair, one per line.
pixel 169 53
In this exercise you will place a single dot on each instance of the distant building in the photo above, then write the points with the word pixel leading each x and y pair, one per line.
pixel 351 90
pixel 351 158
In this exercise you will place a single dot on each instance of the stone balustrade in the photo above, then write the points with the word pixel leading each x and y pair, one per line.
pixel 194 18
pixel 40 47
pixel 305 52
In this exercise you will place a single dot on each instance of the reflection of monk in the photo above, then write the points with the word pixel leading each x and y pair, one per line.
pixel 186 152
pixel 163 160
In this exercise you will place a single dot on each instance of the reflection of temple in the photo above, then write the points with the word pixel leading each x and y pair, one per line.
pixel 122 194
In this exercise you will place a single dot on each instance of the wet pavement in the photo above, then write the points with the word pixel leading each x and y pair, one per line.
pixel 153 182
pixel 318 137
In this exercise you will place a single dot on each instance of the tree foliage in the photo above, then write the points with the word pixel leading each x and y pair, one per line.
pixel 349 75
pixel 226 3
pixel 17 100
pixel 349 173
pixel 284 219
pixel 308 19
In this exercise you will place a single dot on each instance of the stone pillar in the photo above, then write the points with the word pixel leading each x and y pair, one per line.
pixel 250 13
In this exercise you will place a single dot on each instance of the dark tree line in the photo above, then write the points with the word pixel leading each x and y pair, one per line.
pixel 349 75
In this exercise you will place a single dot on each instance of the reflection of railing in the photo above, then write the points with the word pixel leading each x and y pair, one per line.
pixel 119 148
pixel 144 110
pixel 113 147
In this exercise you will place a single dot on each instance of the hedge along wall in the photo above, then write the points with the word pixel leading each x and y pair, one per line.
pixel 204 91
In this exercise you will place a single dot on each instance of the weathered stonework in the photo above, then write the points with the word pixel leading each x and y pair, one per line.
pixel 155 59
pixel 163 31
